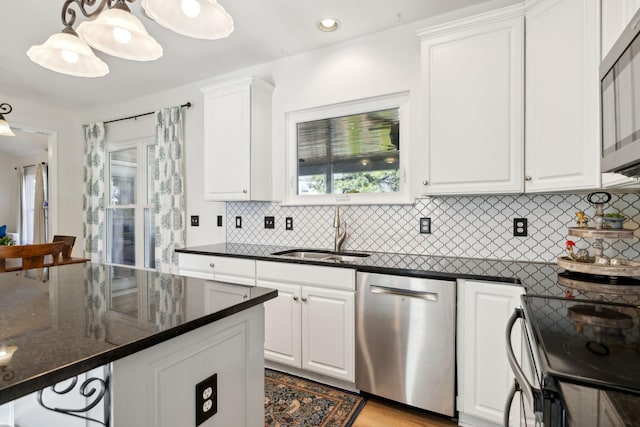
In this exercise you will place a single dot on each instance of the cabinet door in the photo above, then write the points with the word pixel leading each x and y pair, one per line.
pixel 218 296
pixel 472 74
pixel 227 138
pixel 328 329
pixel 484 375
pixel 562 96
pixel 282 324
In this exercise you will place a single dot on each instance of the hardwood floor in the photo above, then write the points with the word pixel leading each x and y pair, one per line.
pixel 383 413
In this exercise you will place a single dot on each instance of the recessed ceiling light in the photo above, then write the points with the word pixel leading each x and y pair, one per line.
pixel 328 24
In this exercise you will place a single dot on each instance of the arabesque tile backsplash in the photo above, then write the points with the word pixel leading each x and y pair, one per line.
pixel 462 226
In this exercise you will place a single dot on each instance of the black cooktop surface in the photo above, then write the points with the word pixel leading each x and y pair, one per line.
pixel 587 342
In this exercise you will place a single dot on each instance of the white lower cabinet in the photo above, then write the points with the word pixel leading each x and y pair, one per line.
pixel 484 375
pixel 311 324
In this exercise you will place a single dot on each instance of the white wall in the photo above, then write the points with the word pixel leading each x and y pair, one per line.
pixel 9 192
pixel 382 63
pixel 66 178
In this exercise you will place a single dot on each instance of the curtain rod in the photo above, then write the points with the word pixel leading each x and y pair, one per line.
pixel 28 166
pixel 187 105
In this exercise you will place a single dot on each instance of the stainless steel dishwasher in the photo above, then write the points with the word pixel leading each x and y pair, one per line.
pixel 405 340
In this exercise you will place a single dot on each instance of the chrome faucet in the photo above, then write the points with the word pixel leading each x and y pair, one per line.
pixel 340 237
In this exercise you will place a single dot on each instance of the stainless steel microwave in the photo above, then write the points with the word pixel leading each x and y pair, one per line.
pixel 620 103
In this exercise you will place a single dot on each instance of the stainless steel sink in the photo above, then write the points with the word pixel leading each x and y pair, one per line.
pixel 312 254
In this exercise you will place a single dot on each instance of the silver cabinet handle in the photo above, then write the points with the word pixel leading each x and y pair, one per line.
pixel 304 299
pixel 211 265
pixel 425 182
pixel 244 296
pixel 527 178
pixel 385 290
pixel 245 191
pixel 295 298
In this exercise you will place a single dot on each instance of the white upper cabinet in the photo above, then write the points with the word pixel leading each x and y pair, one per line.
pixel 562 135
pixel 472 74
pixel 237 140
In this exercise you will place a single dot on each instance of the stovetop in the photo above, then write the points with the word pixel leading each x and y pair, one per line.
pixel 587 342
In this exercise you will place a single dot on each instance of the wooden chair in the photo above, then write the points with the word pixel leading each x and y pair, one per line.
pixel 32 256
pixel 69 241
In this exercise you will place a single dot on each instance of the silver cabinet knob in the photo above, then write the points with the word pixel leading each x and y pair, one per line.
pixel 211 265
pixel 244 297
pixel 295 298
pixel 527 177
pixel 245 191
pixel 425 182
pixel 304 299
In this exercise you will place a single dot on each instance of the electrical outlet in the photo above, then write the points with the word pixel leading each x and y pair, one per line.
pixel 206 399
pixel 288 223
pixel 425 225
pixel 269 222
pixel 520 227
pixel 219 219
pixel 195 220
pixel 238 222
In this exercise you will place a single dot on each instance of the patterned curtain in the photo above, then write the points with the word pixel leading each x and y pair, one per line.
pixel 95 282
pixel 94 193
pixel 168 185
pixel 169 296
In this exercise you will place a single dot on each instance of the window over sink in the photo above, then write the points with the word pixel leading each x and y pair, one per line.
pixel 349 153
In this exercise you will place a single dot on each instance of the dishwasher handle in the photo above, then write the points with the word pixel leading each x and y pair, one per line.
pixel 386 290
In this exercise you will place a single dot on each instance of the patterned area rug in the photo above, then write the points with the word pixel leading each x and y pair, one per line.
pixel 295 402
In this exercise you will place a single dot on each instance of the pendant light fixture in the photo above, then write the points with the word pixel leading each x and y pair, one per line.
pixel 117 32
pixel 200 19
pixel 114 30
pixel 5 129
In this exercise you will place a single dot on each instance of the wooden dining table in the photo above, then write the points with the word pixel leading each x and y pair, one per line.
pixel 15 264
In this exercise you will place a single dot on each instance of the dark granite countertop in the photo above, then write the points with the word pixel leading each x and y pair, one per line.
pixel 536 277
pixel 87 315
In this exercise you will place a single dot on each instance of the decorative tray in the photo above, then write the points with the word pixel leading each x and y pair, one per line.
pixel 602 233
pixel 625 268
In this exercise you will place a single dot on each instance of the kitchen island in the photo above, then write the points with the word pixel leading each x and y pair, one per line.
pixel 158 334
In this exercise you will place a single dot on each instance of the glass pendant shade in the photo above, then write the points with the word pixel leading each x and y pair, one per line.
pixel 5 129
pixel 66 53
pixel 200 19
pixel 119 33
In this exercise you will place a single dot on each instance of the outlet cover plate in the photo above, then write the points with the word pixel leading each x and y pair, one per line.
pixel 425 225
pixel 288 223
pixel 206 399
pixel 520 227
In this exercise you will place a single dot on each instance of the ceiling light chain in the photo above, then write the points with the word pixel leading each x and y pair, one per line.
pixel 114 30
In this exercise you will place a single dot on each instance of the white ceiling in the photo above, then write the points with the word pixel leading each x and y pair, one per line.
pixel 265 30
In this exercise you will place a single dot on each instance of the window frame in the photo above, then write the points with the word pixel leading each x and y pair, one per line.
pixel 396 100
pixel 142 200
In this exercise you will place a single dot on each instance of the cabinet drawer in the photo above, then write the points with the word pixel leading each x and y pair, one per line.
pixel 326 277
pixel 222 269
pixel 234 266
pixel 196 262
